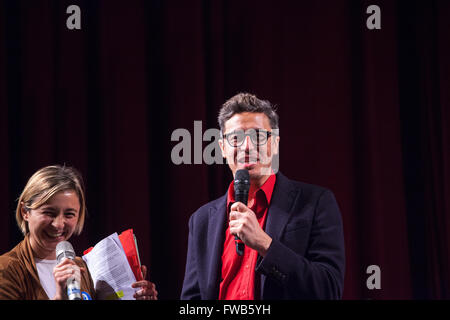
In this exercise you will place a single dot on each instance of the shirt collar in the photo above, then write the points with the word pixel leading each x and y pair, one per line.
pixel 266 189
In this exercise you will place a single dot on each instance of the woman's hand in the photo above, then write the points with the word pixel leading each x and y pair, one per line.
pixel 148 289
pixel 62 272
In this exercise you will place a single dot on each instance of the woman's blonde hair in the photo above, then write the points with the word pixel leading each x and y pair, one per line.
pixel 44 184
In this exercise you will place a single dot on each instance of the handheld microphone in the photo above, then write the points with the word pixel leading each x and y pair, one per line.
pixel 65 250
pixel 241 189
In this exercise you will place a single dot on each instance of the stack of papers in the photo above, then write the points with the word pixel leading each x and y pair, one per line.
pixel 114 265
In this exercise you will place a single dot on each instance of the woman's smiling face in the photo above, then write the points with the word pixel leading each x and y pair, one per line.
pixel 53 222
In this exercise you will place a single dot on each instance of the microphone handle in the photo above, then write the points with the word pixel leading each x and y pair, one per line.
pixel 73 289
pixel 240 246
pixel 243 198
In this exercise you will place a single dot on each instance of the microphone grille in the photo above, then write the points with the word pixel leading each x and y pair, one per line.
pixel 64 250
pixel 242 177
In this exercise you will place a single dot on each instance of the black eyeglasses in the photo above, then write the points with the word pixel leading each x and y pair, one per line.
pixel 258 137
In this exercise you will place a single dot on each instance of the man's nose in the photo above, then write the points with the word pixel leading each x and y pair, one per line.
pixel 247 144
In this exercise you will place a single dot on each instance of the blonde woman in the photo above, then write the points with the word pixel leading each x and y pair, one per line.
pixel 50 209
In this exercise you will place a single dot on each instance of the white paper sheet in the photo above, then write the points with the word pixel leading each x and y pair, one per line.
pixel 110 271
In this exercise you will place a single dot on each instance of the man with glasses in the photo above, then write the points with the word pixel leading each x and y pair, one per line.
pixel 292 231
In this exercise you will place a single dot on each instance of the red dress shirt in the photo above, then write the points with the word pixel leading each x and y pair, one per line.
pixel 238 272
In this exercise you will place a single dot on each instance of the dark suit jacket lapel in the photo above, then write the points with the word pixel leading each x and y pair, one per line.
pixel 280 206
pixel 216 234
pixel 279 211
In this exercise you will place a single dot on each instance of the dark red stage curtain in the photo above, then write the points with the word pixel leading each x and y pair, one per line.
pixel 362 112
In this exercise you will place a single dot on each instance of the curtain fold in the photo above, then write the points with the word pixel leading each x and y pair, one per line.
pixel 362 112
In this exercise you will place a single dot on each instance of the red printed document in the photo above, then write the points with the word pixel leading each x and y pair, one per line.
pixel 129 244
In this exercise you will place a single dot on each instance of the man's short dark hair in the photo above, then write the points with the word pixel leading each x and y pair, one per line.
pixel 246 102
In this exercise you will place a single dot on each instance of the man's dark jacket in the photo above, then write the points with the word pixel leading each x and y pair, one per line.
pixel 306 259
